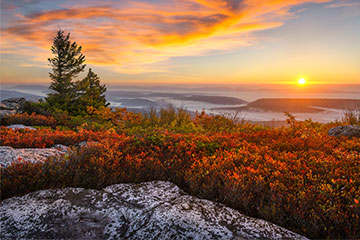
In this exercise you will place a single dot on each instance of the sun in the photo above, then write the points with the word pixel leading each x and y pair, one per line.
pixel 301 81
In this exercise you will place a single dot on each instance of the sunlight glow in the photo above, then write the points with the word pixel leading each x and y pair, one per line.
pixel 302 81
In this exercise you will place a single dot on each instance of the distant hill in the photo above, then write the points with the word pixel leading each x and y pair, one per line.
pixel 214 99
pixel 297 105
pixel 219 100
pixel 5 94
pixel 30 87
pixel 137 102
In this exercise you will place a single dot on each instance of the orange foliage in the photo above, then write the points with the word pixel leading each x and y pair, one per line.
pixel 118 116
pixel 29 120
pixel 297 177
pixel 42 138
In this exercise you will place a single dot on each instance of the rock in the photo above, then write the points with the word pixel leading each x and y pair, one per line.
pixel 9 155
pixel 61 147
pixel 152 210
pixel 85 143
pixel 3 113
pixel 347 131
pixel 3 106
pixel 14 103
pixel 81 144
pixel 20 126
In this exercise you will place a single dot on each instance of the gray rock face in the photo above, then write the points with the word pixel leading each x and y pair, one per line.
pixel 9 155
pixel 85 143
pixel 152 210
pixel 3 113
pixel 20 126
pixel 13 103
pixel 347 131
pixel 3 106
pixel 61 147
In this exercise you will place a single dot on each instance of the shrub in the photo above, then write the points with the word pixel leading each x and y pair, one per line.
pixel 352 117
pixel 25 138
pixel 220 123
pixel 119 117
pixel 39 107
pixel 150 118
pixel 29 120
pixel 170 118
pixel 297 177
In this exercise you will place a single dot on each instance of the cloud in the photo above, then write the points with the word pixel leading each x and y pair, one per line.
pixel 343 4
pixel 132 36
pixel 31 65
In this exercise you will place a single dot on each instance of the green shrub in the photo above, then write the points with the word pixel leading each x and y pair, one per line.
pixel 40 107
pixel 352 117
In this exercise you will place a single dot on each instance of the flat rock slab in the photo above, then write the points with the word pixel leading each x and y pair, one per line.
pixel 20 126
pixel 8 155
pixel 151 210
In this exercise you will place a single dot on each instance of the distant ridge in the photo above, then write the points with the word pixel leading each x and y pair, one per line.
pixel 297 105
pixel 29 87
pixel 212 99
pixel 5 94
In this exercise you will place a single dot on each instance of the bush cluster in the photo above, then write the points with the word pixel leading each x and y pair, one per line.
pixel 352 116
pixel 297 177
pixel 32 119
pixel 45 137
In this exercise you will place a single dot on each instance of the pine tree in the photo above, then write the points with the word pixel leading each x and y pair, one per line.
pixel 90 92
pixel 66 65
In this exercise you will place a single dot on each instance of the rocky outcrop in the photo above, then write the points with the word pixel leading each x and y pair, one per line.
pixel 152 210
pixel 9 155
pixel 20 126
pixel 11 106
pixel 4 112
pixel 2 106
pixel 347 131
pixel 13 103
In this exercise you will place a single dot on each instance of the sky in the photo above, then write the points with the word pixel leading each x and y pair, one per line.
pixel 187 41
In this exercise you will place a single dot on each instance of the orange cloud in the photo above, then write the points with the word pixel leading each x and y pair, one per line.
pixel 132 36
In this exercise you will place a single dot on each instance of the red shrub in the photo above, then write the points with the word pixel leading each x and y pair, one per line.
pixel 30 120
pixel 297 177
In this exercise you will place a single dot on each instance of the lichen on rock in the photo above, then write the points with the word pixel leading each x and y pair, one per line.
pixel 347 131
pixel 8 155
pixel 151 210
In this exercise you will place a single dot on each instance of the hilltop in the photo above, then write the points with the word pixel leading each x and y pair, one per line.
pixel 297 105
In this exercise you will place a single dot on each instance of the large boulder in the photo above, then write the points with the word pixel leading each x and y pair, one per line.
pixel 347 131
pixel 152 210
pixel 13 104
pixel 8 155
